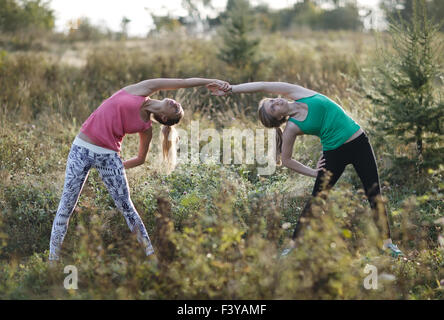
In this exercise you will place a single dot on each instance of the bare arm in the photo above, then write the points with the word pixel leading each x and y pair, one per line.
pixel 144 145
pixel 148 87
pixel 293 91
pixel 288 138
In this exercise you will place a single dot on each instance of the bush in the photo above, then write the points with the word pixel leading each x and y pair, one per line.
pixel 341 18
pixel 405 91
pixel 25 14
pixel 218 256
pixel 27 214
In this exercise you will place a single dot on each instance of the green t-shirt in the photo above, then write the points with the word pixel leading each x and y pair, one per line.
pixel 327 120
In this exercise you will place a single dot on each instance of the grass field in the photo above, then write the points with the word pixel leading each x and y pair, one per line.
pixel 217 229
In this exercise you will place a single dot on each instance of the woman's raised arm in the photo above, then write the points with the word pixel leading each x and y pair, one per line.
pixel 148 87
pixel 292 91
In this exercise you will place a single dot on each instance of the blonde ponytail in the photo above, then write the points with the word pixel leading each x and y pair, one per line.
pixel 169 150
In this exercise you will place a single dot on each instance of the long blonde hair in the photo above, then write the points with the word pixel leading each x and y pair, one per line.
pixel 271 122
pixel 169 149
pixel 169 138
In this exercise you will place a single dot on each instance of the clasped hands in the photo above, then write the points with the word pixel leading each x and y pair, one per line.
pixel 219 88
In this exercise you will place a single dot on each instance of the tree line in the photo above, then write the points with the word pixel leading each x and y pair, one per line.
pixel 19 15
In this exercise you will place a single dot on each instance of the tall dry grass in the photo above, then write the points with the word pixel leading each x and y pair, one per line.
pixel 218 230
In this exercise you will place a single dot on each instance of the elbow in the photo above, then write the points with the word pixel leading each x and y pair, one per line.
pixel 286 162
pixel 141 161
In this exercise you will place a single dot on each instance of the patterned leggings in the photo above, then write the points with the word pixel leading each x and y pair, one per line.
pixel 112 173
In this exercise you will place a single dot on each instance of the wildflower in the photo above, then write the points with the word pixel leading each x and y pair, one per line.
pixel 286 225
pixel 347 233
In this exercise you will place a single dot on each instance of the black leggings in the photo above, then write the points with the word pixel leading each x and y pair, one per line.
pixel 359 153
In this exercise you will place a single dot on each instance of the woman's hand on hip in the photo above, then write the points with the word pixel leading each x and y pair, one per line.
pixel 321 164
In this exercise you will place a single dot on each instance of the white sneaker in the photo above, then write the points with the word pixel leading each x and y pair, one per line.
pixel 286 251
pixel 289 249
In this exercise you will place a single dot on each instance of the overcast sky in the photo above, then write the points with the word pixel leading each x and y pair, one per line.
pixel 110 12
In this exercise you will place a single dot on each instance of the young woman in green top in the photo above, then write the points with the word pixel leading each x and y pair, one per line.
pixel 343 142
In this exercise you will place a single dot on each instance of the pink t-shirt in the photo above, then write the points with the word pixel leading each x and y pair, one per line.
pixel 115 117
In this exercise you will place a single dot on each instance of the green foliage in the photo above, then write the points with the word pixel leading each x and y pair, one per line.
pixel 341 18
pixel 165 23
pixel 306 14
pixel 25 14
pixel 83 30
pixel 27 212
pixel 403 9
pixel 25 24
pixel 239 49
pixel 33 85
pixel 226 255
pixel 406 91
pixel 303 14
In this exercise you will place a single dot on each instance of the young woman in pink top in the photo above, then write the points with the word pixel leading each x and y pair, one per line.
pixel 127 111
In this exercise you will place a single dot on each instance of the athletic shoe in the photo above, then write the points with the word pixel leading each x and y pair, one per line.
pixel 286 251
pixel 394 250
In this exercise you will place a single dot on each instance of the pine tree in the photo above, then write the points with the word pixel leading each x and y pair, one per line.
pixel 239 49
pixel 407 89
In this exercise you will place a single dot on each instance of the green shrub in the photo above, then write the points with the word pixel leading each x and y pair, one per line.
pixel 27 213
